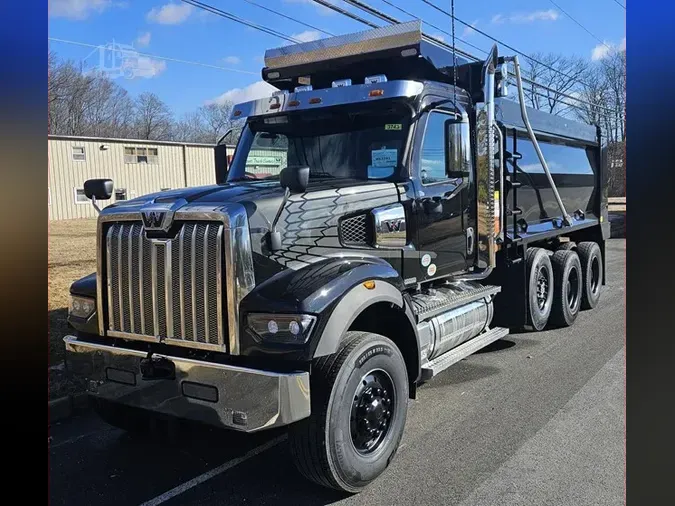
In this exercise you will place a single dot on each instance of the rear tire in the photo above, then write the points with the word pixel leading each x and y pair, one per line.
pixel 366 379
pixel 591 268
pixel 568 284
pixel 540 288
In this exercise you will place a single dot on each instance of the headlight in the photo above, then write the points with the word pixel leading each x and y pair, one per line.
pixel 281 328
pixel 81 307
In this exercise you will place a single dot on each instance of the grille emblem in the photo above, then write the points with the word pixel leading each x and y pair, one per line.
pixel 153 220
pixel 394 225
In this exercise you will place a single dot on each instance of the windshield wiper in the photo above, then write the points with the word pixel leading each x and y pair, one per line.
pixel 317 175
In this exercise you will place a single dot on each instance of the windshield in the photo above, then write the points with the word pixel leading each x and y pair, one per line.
pixel 346 143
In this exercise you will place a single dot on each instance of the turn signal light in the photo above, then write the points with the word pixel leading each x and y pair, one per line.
pixel 370 284
pixel 376 93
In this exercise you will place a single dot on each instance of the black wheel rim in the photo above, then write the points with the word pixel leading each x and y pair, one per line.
pixel 372 411
pixel 595 274
pixel 542 287
pixel 573 289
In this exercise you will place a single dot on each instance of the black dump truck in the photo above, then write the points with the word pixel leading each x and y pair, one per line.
pixel 419 215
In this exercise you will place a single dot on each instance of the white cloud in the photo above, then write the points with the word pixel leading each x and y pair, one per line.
pixel 527 17
pixel 438 36
pixel 232 60
pixel 306 36
pixel 468 32
pixel 170 14
pixel 259 89
pixel 604 50
pixel 76 9
pixel 322 10
pixel 143 40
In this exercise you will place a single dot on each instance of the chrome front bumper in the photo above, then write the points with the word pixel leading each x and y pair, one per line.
pixel 239 398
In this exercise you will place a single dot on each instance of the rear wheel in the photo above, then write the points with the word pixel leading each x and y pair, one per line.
pixel 568 283
pixel 591 269
pixel 540 287
pixel 359 407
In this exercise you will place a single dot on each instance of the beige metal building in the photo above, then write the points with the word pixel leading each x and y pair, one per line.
pixel 136 167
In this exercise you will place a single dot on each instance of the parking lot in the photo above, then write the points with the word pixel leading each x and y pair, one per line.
pixel 537 418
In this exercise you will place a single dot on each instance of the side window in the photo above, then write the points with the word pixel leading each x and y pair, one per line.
pixel 432 161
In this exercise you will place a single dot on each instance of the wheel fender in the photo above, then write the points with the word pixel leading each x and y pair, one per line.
pixel 352 304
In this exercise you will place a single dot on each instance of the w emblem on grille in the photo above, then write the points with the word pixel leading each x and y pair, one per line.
pixel 153 220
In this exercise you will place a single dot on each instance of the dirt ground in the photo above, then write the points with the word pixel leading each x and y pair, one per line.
pixel 72 255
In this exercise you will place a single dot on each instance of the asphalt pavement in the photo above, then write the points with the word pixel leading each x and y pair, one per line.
pixel 535 419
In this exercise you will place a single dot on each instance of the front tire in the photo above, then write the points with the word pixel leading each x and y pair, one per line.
pixel 359 408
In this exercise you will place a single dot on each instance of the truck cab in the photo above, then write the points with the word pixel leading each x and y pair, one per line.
pixel 392 244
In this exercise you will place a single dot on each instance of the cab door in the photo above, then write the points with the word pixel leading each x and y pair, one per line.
pixel 442 182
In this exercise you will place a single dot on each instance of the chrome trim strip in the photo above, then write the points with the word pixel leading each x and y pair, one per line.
pixel 205 275
pixel 185 343
pixel 132 323
pixel 141 295
pixel 168 288
pixel 193 277
pixel 219 284
pixel 155 309
pixel 119 275
pixel 181 282
pixel 111 307
pixel 357 93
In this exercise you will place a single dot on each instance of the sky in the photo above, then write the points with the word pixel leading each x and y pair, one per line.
pixel 227 57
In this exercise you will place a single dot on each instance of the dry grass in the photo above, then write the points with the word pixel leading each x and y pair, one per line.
pixel 72 255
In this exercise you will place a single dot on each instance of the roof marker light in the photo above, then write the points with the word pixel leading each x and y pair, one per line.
pixel 342 82
pixel 315 100
pixel 293 103
pixel 380 78
pixel 409 52
pixel 273 75
pixel 376 93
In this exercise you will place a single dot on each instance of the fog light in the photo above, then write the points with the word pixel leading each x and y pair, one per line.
pixel 81 307
pixel 283 329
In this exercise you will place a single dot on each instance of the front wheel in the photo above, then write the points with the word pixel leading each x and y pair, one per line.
pixel 359 407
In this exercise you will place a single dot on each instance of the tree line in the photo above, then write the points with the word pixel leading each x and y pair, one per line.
pixel 92 104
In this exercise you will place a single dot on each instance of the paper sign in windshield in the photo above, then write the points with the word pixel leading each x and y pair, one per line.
pixel 384 157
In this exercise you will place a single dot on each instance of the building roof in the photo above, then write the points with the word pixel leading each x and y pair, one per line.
pixel 128 141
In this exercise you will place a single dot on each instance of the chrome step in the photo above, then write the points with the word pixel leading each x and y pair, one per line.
pixel 427 306
pixel 432 368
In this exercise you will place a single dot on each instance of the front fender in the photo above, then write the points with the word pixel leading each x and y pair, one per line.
pixel 331 289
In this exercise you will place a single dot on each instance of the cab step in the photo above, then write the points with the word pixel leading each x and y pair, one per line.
pixel 432 368
pixel 437 301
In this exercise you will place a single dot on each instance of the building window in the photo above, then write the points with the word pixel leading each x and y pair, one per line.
pixel 78 154
pixel 80 197
pixel 120 194
pixel 140 155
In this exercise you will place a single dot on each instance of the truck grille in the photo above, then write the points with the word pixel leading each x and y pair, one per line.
pixel 166 288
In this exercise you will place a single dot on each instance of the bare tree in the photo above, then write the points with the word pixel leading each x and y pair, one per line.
pixel 561 75
pixel 192 128
pixel 217 119
pixel 153 118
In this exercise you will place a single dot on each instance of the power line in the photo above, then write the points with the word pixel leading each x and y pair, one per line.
pixel 582 26
pixel 242 21
pixel 84 44
pixel 619 3
pixel 288 17
pixel 432 26
pixel 524 55
pixel 345 12
pixel 393 20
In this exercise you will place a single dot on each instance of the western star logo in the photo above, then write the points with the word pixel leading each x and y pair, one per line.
pixel 394 225
pixel 153 220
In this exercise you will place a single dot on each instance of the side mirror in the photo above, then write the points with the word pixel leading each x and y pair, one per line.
pixel 98 189
pixel 294 178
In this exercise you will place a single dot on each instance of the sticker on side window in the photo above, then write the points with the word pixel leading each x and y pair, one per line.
pixel 393 126
pixel 384 157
